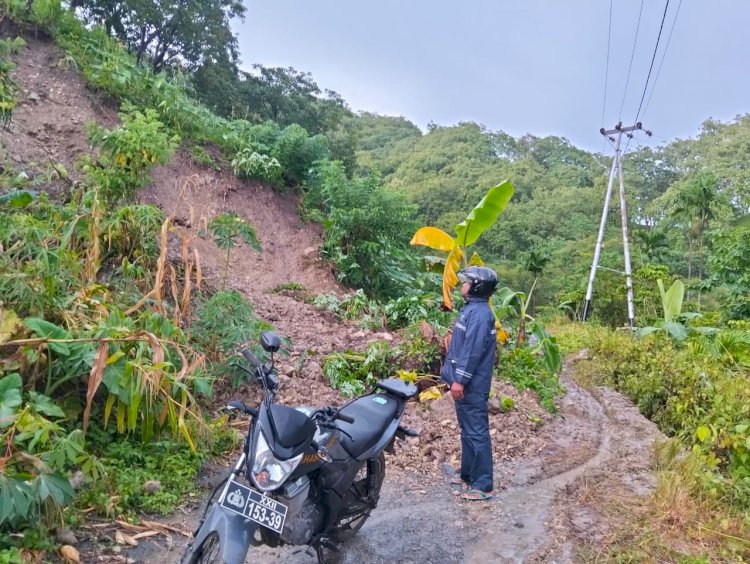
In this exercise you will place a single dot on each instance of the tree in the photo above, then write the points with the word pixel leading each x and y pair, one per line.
pixel 536 261
pixel 729 268
pixel 697 201
pixel 189 32
pixel 653 243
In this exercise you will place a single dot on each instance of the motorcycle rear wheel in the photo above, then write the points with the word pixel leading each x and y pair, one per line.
pixel 362 497
pixel 209 551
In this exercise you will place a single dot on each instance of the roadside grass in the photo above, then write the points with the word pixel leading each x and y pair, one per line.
pixel 679 522
pixel 689 518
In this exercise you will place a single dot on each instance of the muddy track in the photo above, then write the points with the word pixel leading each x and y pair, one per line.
pixel 598 437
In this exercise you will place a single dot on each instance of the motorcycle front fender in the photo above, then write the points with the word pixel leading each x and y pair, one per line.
pixel 236 534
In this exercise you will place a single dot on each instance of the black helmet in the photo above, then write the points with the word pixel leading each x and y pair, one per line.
pixel 483 281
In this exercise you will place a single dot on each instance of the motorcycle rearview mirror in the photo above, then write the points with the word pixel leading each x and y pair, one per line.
pixel 270 341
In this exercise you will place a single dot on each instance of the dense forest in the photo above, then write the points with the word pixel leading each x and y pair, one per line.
pixel 371 181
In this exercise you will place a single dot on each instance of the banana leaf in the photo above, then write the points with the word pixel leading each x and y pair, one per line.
pixel 434 238
pixel 484 214
pixel 450 275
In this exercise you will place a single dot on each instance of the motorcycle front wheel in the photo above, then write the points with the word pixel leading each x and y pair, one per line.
pixel 362 497
pixel 209 551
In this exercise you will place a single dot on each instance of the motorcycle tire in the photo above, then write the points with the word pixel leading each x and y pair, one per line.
pixel 209 551
pixel 362 497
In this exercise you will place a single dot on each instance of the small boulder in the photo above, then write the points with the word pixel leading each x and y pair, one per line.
pixel 65 536
pixel 152 486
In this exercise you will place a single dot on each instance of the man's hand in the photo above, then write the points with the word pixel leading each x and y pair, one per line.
pixel 457 391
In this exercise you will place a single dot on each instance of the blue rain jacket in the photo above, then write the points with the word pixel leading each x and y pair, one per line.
pixel 471 353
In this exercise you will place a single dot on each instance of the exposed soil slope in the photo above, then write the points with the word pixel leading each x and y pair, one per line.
pixel 53 109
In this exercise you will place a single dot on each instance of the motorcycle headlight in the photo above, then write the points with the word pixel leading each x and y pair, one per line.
pixel 269 472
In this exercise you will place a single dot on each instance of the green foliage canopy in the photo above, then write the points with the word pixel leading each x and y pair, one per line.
pixel 187 32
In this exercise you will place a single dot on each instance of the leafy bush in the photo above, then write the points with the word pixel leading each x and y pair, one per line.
pixel 38 451
pixel 153 477
pixel 128 152
pixel 526 370
pixel 249 164
pixel 366 228
pixel 688 395
pixel 410 309
pixel 296 152
pixel 223 323
pixel 8 86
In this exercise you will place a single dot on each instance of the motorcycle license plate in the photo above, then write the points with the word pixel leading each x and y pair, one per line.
pixel 255 506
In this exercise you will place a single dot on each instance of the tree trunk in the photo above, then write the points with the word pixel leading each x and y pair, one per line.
pixel 690 265
pixel 521 332
pixel 226 270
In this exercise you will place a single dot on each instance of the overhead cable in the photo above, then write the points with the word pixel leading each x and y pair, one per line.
pixel 664 56
pixel 650 69
pixel 653 58
pixel 632 55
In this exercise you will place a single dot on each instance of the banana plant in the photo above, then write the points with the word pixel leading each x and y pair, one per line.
pixel 508 303
pixel 468 231
pixel 672 324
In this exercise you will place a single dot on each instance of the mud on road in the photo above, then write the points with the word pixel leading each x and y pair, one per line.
pixel 597 438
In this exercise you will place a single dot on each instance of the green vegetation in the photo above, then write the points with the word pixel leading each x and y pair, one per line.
pixel 8 86
pixel 697 392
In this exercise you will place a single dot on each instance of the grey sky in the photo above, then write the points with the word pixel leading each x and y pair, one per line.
pixel 523 66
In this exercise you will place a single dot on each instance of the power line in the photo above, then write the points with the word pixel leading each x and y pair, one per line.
pixel 632 55
pixel 664 56
pixel 653 58
pixel 650 69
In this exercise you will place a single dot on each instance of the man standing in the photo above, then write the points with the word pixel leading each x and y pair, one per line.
pixel 468 372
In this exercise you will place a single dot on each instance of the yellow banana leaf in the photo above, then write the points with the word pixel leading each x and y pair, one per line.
pixel 409 377
pixel 431 394
pixel 502 334
pixel 484 214
pixel 450 278
pixel 434 238
pixel 476 260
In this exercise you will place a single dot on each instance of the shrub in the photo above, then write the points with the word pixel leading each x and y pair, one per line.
pixel 296 152
pixel 527 370
pixel 249 164
pixel 367 229
pixel 688 394
pixel 128 152
pixel 352 373
pixel 8 86
pixel 223 323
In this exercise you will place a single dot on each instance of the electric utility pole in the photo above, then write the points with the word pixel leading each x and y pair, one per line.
pixel 615 137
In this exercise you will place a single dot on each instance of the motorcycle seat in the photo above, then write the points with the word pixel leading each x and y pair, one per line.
pixel 372 414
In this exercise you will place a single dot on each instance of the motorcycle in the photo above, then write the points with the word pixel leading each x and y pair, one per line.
pixel 311 476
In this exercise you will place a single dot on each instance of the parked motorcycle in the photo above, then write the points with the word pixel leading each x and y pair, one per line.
pixel 306 476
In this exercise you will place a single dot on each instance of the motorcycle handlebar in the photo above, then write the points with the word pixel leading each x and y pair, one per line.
pixel 345 418
pixel 251 358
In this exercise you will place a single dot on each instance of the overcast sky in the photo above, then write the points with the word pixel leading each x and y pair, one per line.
pixel 520 66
